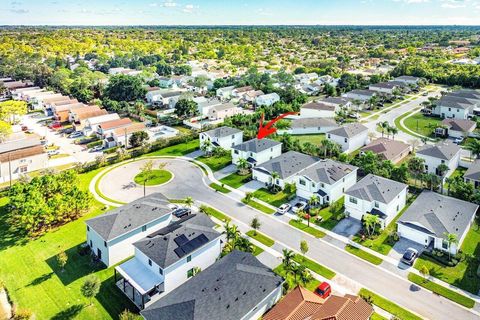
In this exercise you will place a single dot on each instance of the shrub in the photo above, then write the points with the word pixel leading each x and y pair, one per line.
pixel 111 150
pixel 94 144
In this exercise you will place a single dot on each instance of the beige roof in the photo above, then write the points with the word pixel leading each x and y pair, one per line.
pixel 64 102
pixel 318 106
pixel 298 304
pixel 134 127
pixel 57 98
pixel 462 125
pixel 88 112
pixel 112 124
pixel 387 149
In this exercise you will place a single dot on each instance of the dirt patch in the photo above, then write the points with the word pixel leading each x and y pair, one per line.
pixel 5 307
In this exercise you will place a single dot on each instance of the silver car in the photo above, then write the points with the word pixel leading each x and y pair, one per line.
pixel 284 208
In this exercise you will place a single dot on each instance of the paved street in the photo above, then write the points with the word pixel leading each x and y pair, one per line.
pixel 189 181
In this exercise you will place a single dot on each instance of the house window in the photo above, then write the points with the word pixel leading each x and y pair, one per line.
pixel 88 228
pixel 328 136
pixel 445 244
pixel 104 243
pixel 23 169
pixel 160 271
pixel 322 185
pixel 233 136
pixel 149 262
pixel 302 182
pixel 443 161
pixel 353 200
pixel 190 273
pixel 189 258
pixel 144 228
pixel 398 207
pixel 346 140
pixel 449 109
pixel 375 204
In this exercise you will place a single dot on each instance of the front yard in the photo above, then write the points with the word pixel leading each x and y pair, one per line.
pixel 331 215
pixel 422 125
pixel 289 278
pixel 315 139
pixel 274 199
pixel 216 162
pixel 464 274
pixel 235 180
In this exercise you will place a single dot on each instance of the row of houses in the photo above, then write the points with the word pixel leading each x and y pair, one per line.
pixel 247 94
pixel 461 104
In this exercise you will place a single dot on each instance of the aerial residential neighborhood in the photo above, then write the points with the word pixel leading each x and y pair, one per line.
pixel 168 160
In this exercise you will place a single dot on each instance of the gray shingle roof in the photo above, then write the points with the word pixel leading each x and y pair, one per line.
pixel 474 171
pixel 318 106
pixel 313 122
pixel 436 214
pixel 256 145
pixel 131 216
pixel 8 146
pixel 222 132
pixel 161 246
pixel 463 125
pixel 362 92
pixel 349 130
pixel 407 78
pixel 385 85
pixel 443 150
pixel 469 94
pixel 287 164
pixel 327 171
pixel 375 188
pixel 227 290
pixel 455 102
pixel 335 100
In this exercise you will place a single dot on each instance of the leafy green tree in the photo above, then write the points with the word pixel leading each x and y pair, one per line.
pixel 424 271
pixel 62 259
pixel 186 108
pixel 255 225
pixel 416 166
pixel 90 287
pixel 146 172
pixel 370 222
pixel 189 202
pixel 125 88
pixel 304 248
pixel 163 69
pixel 81 89
pixel 138 138
pixel 127 315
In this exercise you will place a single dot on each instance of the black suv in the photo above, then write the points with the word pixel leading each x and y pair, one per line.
pixel 182 212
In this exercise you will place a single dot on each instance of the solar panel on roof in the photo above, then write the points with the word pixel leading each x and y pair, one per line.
pixel 191 245
pixel 181 240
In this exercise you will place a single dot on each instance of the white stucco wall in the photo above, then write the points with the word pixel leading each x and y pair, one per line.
pixel 447 112
pixel 313 113
pixel 225 142
pixel 432 163
pixel 260 157
pixel 334 192
pixel 264 305
pixel 350 144
pixel 33 163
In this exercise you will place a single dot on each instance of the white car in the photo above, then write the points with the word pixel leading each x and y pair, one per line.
pixel 97 148
pixel 284 208
pixel 299 206
pixel 53 152
pixel 76 134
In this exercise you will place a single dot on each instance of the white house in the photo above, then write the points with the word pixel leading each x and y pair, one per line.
pixel 408 80
pixel 286 165
pixel 432 216
pixel 318 110
pixel 121 136
pixel 338 102
pixel 105 128
pixel 224 93
pixel 456 128
pixel 165 98
pixel 305 78
pixel 256 151
pixel 327 179
pixel 445 152
pixel 267 99
pixel 472 174
pixel 168 257
pixel 384 87
pixel 350 136
pixel 361 95
pixel 375 195
pixel 91 124
pixel 223 137
pixel 237 286
pixel 310 126
pixel 459 104
pixel 111 235
pixel 224 110
pixel 241 91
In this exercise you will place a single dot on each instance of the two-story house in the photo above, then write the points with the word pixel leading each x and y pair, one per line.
pixel 104 129
pixel 287 165
pixel 445 152
pixel 223 137
pixel 224 93
pixel 256 151
pixel 458 104
pixel 384 87
pixel 318 110
pixel 168 257
pixel 472 174
pixel 111 235
pixel 408 80
pixel 90 125
pixel 350 137
pixel 310 126
pixel 376 195
pixel 327 179
pixel 267 99
pixel 80 114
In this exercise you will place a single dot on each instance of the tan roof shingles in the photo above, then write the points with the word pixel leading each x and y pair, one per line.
pixel 112 124
pixel 296 305
pixel 134 127
pixel 387 149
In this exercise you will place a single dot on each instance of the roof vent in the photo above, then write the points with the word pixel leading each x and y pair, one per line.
pixel 228 306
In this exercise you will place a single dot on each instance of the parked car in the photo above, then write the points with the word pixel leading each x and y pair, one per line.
pixel 24 128
pixel 409 256
pixel 458 140
pixel 76 134
pixel 323 290
pixel 55 125
pixel 284 208
pixel 299 206
pixel 96 148
pixel 53 152
pixel 68 130
pixel 182 212
pixel 425 94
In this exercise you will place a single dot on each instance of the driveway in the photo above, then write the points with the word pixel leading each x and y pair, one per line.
pixel 251 186
pixel 189 181
pixel 222 173
pixel 348 227
pixel 401 246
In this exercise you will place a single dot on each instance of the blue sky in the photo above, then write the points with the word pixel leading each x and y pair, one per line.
pixel 232 12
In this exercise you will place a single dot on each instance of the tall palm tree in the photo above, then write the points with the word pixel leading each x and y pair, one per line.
pixel 287 259
pixel 314 200
pixel 383 126
pixel 416 166
pixel 393 131
pixel 242 165
pixel 451 238
pixel 275 175
pixel 442 170
pixel 474 147
pixel 370 221
pixel 305 276
pixel 188 201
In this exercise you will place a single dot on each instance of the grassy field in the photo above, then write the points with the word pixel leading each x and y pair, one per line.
pixel 315 139
pixel 315 267
pixel 216 163
pixel 275 199
pixel 235 180
pixel 157 177
pixel 40 286
pixel 463 275
pixel 389 306
pixel 363 255
pixel 261 238
pixel 420 124
pixel 258 206
pixel 289 278
pixel 310 230
pixel 441 290
pixel 376 316
pixel 177 150
pixel 218 187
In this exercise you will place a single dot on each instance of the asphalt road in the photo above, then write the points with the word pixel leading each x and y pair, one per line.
pixel 190 181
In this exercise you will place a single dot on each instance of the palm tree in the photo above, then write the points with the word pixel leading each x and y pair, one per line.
pixel 416 166
pixel 275 176
pixel 314 200
pixel 231 231
pixel 370 221
pixel 188 201
pixel 207 147
pixel 424 271
pixel 305 275
pixel 248 196
pixel 393 131
pixel 474 147
pixel 442 169
pixel 255 224
pixel 451 238
pixel 383 126
pixel 204 209
pixel 287 259
pixel 242 165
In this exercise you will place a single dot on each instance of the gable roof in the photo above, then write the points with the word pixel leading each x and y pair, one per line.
pixel 363 92
pixel 103 118
pixel 473 172
pixel 466 93
pixel 436 214
pixel 131 216
pixel 342 308
pixel 335 100
pixel 257 145
pixel 298 304
pixel 407 78
pixel 455 102
pixel 131 128
pixel 385 85
pixel 313 122
pixel 117 123
pixel 318 106
pixel 386 148
pixel 327 171
pixel 221 132
pixel 349 130
pixel 443 150
pixel 227 290
pixel 180 238
pixel 287 164
pixel 375 188
pixel 462 125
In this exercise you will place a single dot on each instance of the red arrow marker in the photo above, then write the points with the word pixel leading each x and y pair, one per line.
pixel 266 130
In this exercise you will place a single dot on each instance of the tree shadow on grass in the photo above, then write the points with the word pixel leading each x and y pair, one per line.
pixel 77 266
pixel 69 313
pixel 40 279
pixel 11 236
pixel 113 299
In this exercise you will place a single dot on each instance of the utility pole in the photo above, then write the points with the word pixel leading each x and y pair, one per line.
pixel 126 138
pixel 10 169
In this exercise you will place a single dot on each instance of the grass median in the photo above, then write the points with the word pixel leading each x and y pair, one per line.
pixel 258 206
pixel 310 230
pixel 315 267
pixel 261 238
pixel 363 255
pixel 388 305
pixel 218 187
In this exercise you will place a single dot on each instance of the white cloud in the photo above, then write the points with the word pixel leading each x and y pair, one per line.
pixel 169 4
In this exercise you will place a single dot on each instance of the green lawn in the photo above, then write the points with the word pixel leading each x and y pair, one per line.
pixel 376 316
pixel 235 180
pixel 217 214
pixel 218 187
pixel 256 250
pixel 420 124
pixel 35 282
pixel 441 290
pixel 315 267
pixel 289 278
pixel 363 254
pixel 216 163
pixel 177 150
pixel 302 226
pixel 276 199
pixel 315 139
pixel 388 305
pixel 157 177
pixel 261 238
pixel 463 275
pixel 329 218
pixel 258 206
